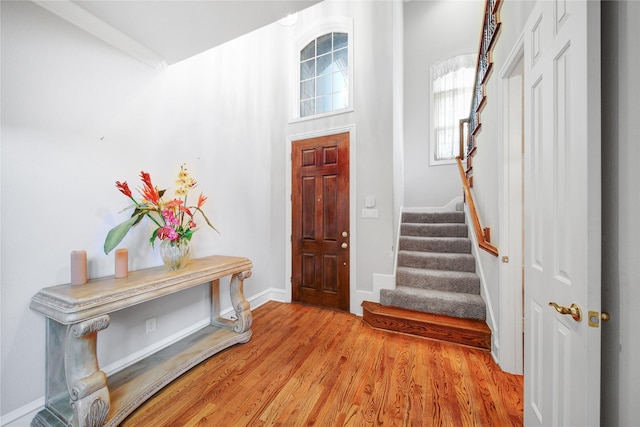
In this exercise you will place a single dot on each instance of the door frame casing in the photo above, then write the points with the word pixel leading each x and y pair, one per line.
pixel 510 330
pixel 351 130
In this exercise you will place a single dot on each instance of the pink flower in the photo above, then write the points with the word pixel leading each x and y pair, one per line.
pixel 170 217
pixel 167 232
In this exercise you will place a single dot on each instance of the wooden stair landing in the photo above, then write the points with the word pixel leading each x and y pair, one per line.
pixel 465 332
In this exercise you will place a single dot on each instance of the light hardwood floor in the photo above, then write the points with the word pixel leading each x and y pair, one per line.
pixel 311 366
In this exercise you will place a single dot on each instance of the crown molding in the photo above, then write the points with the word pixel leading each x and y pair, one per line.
pixel 79 17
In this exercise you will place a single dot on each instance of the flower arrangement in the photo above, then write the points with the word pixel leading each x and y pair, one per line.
pixel 175 220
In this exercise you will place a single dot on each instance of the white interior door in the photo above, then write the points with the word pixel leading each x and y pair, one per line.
pixel 562 212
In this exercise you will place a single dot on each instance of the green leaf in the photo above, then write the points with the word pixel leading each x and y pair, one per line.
pixel 206 219
pixel 154 235
pixel 117 233
pixel 187 234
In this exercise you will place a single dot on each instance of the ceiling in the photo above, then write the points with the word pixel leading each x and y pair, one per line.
pixel 167 31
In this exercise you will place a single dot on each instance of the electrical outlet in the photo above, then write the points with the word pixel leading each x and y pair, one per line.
pixel 151 325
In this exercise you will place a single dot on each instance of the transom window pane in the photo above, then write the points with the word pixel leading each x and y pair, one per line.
pixel 339 40
pixel 309 51
pixel 307 69
pixel 324 75
pixel 341 59
pixel 324 44
pixel 324 64
pixel 307 90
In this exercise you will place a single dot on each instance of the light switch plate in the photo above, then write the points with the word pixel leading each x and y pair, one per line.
pixel 369 213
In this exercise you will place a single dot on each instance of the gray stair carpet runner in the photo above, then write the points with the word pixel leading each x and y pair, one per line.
pixel 436 270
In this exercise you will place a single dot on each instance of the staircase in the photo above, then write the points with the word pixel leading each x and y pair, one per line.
pixel 437 292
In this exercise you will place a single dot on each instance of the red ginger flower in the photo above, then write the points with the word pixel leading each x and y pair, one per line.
pixel 124 188
pixel 149 191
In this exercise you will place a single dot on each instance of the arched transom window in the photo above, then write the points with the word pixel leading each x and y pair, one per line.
pixel 324 75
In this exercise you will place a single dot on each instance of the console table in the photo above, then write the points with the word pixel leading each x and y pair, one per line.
pixel 77 392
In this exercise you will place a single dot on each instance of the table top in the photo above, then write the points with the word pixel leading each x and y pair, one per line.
pixel 68 304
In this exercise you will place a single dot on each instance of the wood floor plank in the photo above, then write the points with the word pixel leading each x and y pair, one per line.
pixel 311 366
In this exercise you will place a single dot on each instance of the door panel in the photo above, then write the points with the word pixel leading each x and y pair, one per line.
pixel 562 212
pixel 320 221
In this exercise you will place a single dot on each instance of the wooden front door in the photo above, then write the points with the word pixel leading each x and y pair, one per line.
pixel 320 221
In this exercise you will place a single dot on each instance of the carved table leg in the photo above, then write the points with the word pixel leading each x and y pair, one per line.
pixel 76 389
pixel 240 304
pixel 86 383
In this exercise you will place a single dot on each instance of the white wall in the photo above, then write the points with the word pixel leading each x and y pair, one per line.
pixel 78 115
pixel 621 210
pixel 434 30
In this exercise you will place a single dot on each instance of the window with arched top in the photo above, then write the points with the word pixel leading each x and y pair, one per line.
pixel 451 92
pixel 324 83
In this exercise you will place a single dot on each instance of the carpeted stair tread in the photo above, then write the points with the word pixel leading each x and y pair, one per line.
pixel 433 230
pixel 435 244
pixel 437 261
pixel 433 217
pixel 455 304
pixel 436 271
pixel 454 281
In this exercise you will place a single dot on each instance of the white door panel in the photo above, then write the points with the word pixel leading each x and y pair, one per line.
pixel 562 212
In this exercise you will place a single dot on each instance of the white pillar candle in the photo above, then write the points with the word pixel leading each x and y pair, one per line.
pixel 122 263
pixel 78 267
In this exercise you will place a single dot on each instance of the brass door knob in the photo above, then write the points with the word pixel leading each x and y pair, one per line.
pixel 574 310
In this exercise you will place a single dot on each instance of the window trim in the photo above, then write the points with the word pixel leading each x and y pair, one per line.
pixel 333 25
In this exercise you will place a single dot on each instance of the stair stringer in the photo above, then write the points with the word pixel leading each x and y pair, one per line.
pixel 484 293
